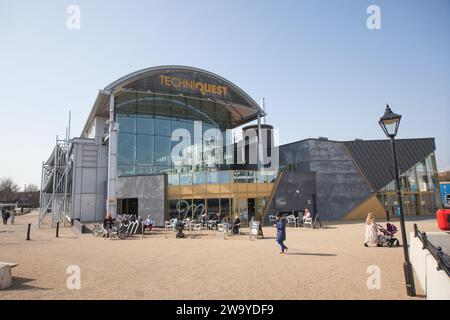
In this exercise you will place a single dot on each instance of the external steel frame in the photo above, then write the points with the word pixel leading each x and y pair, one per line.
pixel 56 181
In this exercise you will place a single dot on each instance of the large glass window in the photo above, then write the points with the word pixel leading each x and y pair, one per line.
pixel 127 123
pixel 185 179
pixel 213 177
pixel 431 172
pixel 145 125
pixel 162 151
pixel 126 149
pixel 144 149
pixel 146 122
pixel 173 179
pixel 225 177
pixel 199 178
pixel 422 176
pixel 163 127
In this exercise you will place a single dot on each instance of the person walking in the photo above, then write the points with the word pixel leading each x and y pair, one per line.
pixel 281 232
pixel 7 215
pixel 3 215
pixel 13 216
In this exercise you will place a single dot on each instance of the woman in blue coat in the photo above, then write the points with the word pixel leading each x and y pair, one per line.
pixel 281 232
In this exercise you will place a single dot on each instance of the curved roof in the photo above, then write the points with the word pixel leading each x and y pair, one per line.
pixel 182 80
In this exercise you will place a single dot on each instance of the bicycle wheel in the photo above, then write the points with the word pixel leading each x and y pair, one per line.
pixel 121 233
pixel 97 231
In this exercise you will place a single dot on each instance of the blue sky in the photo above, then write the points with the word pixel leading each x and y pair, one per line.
pixel 321 70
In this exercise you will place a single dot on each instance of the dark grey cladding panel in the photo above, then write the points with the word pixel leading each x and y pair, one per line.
pixel 286 198
pixel 294 153
pixel 334 166
pixel 327 150
pixel 339 185
pixel 374 158
pixel 338 193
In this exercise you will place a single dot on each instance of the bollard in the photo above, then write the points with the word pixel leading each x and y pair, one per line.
pixel 57 229
pixel 28 231
pixel 387 214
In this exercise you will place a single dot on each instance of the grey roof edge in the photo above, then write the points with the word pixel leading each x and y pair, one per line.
pixel 94 108
pixel 141 73
pixel 375 160
pixel 362 140
pixel 111 88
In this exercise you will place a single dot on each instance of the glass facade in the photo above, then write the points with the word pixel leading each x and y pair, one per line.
pixel 420 190
pixel 146 122
pixel 220 177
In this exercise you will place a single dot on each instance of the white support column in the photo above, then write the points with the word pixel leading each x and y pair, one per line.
pixel 258 146
pixel 111 200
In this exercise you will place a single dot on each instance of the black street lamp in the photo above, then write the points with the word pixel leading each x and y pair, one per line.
pixel 390 122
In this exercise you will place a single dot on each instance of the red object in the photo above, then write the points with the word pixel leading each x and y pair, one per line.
pixel 443 219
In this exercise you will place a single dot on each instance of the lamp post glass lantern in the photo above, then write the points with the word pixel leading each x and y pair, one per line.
pixel 390 122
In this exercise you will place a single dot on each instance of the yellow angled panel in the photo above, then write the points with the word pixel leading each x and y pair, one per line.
pixel 370 205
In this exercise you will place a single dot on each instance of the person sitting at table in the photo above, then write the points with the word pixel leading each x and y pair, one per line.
pixel 217 220
pixel 236 225
pixel 306 215
pixel 148 223
pixel 204 218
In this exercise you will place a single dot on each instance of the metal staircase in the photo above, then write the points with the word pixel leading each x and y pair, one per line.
pixel 56 183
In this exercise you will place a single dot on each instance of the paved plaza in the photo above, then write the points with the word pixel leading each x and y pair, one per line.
pixel 329 263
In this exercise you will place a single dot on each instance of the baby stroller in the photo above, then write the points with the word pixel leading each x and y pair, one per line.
pixel 387 235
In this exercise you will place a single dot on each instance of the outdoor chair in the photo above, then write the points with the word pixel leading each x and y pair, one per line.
pixel 169 225
pixel 197 227
pixel 238 225
pixel 307 222
pixel 291 220
pixel 222 230
pixel 211 224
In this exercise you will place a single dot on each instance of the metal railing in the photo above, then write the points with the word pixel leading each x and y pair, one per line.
pixel 443 260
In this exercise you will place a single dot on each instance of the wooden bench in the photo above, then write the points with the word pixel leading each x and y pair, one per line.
pixel 5 274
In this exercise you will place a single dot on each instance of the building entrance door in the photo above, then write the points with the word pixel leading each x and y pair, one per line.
pixel 251 207
pixel 127 206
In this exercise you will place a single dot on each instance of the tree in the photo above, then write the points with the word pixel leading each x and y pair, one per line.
pixel 31 188
pixel 8 188
pixel 444 176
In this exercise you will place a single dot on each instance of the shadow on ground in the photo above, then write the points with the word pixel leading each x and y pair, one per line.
pixel 19 283
pixel 312 254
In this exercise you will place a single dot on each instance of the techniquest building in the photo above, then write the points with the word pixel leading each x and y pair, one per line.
pixel 158 142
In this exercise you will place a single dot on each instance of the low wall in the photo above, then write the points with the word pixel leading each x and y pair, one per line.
pixel 435 283
pixel 79 227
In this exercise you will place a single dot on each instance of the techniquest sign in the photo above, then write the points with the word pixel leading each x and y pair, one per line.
pixel 189 84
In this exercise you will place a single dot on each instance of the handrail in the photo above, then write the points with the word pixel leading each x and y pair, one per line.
pixel 442 259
